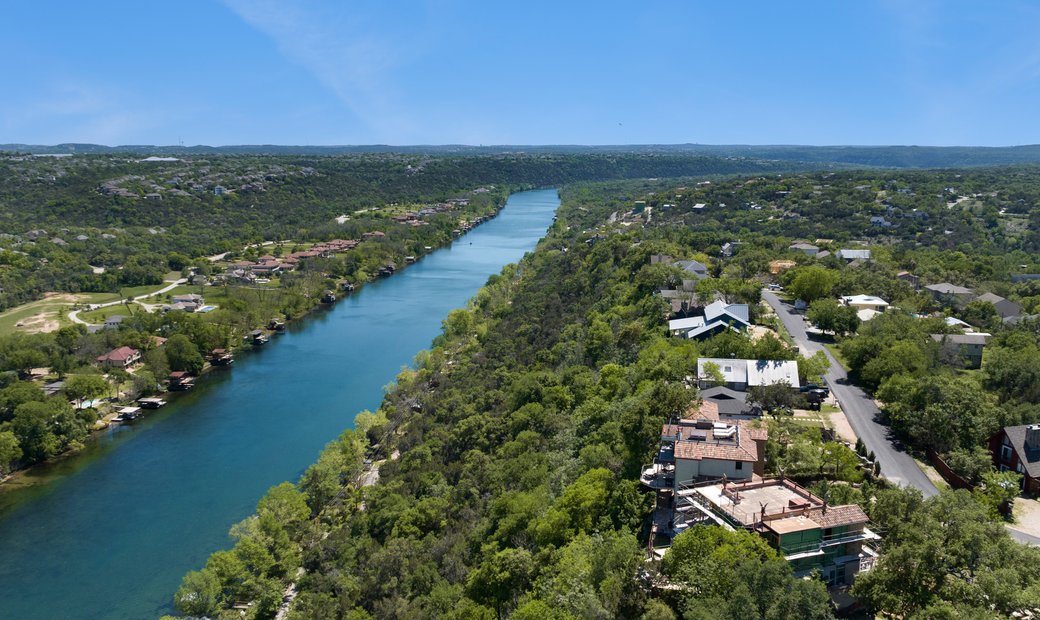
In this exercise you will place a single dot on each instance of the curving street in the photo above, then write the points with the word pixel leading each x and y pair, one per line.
pixel 860 409
pixel 74 315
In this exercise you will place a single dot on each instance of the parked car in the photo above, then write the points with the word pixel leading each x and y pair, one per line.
pixel 813 387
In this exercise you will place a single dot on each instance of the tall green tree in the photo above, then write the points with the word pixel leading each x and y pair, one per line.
pixel 182 354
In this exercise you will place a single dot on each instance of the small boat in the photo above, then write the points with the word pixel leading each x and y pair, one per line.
pixel 259 337
pixel 348 287
pixel 328 297
pixel 276 325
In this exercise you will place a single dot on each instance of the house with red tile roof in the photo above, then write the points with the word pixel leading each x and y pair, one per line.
pixel 123 357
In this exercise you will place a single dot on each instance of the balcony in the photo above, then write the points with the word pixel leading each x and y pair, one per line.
pixel 795 551
pixel 658 476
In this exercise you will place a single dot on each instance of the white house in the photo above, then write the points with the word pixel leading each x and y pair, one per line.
pixel 865 302
pixel 867 306
pixel 854 254
pixel 742 374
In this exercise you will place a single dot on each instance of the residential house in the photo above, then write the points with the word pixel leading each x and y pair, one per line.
pixel 52 388
pixel 188 302
pixel 696 268
pixel 123 357
pixel 730 403
pixel 812 535
pixel 718 317
pixel 950 294
pixel 114 321
pixel 728 249
pixel 865 302
pixel 1017 448
pixel 879 222
pixel 709 450
pixel 705 448
pixel 909 278
pixel 965 347
pixel 1005 307
pixel 964 325
pixel 867 306
pixel 193 298
pixel 1015 320
pixel 851 255
pixel 806 248
pixel 742 374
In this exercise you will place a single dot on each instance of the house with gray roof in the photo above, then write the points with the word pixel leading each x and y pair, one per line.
pixel 1017 448
pixel 718 317
pixel 946 293
pixel 806 248
pixel 731 403
pixel 1005 307
pixel 966 348
pixel 695 268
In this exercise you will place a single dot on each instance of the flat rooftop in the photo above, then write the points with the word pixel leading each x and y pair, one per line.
pixel 745 502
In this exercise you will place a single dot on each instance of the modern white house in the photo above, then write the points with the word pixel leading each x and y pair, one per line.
pixel 865 302
pixel 742 374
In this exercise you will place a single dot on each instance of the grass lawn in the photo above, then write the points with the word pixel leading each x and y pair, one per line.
pixel 212 294
pixel 97 298
pixel 137 291
pixel 50 313
pixel 836 352
pixel 35 316
pixel 101 314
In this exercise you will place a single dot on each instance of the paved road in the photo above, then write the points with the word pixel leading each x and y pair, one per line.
pixel 74 315
pixel 859 408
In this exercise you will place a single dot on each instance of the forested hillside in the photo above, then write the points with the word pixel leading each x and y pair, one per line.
pixel 508 459
pixel 64 219
pixel 877 156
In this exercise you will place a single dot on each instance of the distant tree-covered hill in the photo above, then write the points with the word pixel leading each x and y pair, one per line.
pixel 878 156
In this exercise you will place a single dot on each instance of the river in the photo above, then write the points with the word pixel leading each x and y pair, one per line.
pixel 109 533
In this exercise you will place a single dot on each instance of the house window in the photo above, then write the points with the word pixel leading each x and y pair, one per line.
pixel 1020 469
pixel 727 369
pixel 740 465
pixel 1005 453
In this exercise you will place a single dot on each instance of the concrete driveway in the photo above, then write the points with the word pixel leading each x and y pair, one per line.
pixel 859 408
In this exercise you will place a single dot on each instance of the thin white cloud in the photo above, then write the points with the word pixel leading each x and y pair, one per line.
pixel 73 110
pixel 337 50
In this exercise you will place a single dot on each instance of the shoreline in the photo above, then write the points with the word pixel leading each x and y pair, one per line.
pixel 10 482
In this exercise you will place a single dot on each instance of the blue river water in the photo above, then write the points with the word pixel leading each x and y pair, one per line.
pixel 109 533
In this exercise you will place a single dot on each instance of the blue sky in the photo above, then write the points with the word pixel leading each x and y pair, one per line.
pixel 937 72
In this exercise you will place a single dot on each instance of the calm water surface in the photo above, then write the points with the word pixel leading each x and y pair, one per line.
pixel 111 532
